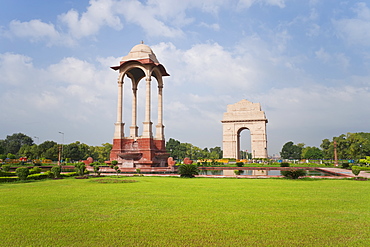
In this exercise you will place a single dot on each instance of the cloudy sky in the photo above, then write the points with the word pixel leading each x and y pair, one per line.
pixel 306 62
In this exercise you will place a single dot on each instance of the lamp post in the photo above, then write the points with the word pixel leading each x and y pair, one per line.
pixel 61 151
pixel 335 154
pixel 38 140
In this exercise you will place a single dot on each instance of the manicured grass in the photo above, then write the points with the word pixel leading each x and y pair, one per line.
pixel 165 211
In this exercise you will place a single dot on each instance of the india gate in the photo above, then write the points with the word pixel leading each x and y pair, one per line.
pixel 148 149
pixel 240 116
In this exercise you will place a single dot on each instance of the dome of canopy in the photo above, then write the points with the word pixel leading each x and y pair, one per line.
pixel 139 52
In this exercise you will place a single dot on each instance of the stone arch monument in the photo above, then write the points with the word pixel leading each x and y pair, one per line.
pixel 146 150
pixel 239 116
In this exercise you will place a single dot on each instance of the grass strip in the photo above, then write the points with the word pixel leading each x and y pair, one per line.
pixel 167 211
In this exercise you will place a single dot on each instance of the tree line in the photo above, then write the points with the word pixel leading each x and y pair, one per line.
pixel 351 146
pixel 179 151
pixel 21 145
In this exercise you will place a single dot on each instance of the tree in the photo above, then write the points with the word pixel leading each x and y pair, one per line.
pixel 13 143
pixel 216 153
pixel 291 151
pixel 180 150
pixel 349 146
pixel 51 153
pixel 2 147
pixel 31 152
pixel 172 146
pixel 327 149
pixel 48 150
pixel 313 153
pixel 101 153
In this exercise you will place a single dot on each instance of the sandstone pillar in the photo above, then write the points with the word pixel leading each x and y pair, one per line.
pixel 160 127
pixel 147 124
pixel 119 125
pixel 133 127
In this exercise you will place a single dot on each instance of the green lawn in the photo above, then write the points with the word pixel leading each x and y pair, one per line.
pixel 165 211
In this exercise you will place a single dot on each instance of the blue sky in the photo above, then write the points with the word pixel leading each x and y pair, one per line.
pixel 306 62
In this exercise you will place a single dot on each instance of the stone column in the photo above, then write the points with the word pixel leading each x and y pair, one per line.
pixel 147 128
pixel 133 128
pixel 119 125
pixel 159 131
pixel 237 151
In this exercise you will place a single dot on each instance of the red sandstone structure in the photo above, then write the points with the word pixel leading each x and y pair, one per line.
pixel 145 150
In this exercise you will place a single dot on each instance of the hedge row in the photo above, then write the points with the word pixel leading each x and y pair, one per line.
pixel 362 168
pixel 8 179
pixel 38 176
pixel 7 174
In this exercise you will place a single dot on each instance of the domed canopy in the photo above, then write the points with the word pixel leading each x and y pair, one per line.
pixel 143 54
pixel 139 52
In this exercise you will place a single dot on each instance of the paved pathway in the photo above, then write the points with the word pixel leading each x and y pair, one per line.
pixel 339 171
pixel 346 172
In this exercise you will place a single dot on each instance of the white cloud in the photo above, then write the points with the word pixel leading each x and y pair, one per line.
pixel 337 59
pixel 213 26
pixel 323 55
pixel 97 15
pixel 206 66
pixel 249 3
pixel 145 17
pixel 11 63
pixel 355 30
pixel 71 82
pixel 156 18
pixel 36 30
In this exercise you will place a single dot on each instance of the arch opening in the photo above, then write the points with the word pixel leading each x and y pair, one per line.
pixel 244 144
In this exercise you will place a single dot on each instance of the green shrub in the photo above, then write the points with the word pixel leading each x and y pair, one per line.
pixel 56 170
pixel 356 171
pixel 284 164
pixel 49 174
pixel 69 174
pixel 238 172
pixel 117 169
pixel 188 170
pixel 22 173
pixel 96 169
pixel 239 164
pixel 35 170
pixel 80 168
pixel 6 168
pixel 37 176
pixel 294 173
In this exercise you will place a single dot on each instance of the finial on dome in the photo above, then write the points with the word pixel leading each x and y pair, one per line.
pixel 142 42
